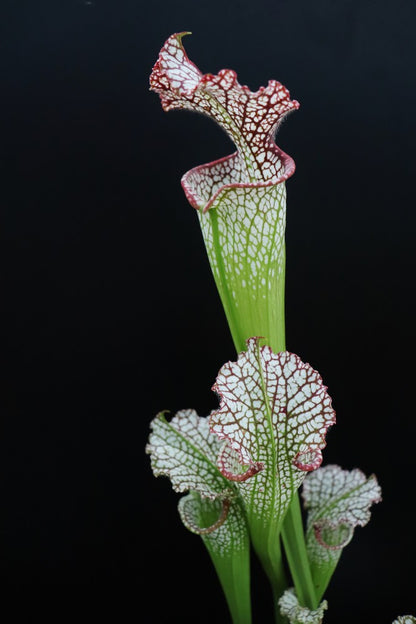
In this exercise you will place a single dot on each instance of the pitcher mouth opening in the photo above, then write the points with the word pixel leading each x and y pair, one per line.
pixel 203 184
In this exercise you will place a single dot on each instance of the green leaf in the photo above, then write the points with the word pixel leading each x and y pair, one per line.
pixel 337 501
pixel 290 607
pixel 405 619
pixel 274 413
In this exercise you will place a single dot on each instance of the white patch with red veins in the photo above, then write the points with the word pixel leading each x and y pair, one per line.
pixel 274 408
pixel 337 501
pixel 227 534
pixel 186 451
pixel 290 607
pixel 250 118
pixel 248 232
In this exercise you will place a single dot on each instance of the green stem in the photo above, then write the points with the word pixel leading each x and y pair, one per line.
pixel 234 576
pixel 295 548
pixel 233 570
pixel 270 554
pixel 322 577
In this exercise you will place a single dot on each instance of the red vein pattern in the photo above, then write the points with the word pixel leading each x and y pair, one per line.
pixel 190 512
pixel 186 451
pixel 250 119
pixel 231 468
pixel 337 501
pixel 274 408
pixel 241 198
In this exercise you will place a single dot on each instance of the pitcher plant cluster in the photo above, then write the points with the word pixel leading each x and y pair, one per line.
pixel 241 467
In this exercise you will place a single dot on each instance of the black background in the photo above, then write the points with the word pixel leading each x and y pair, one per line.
pixel 109 309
